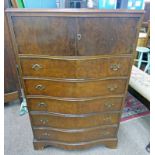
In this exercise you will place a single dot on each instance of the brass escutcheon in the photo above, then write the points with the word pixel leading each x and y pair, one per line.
pixel 115 67
pixel 109 105
pixel 44 121
pixel 40 87
pixel 42 104
pixel 112 88
pixel 36 67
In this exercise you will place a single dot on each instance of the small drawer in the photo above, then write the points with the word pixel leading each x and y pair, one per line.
pixel 75 89
pixel 75 106
pixel 74 121
pixel 80 135
pixel 78 68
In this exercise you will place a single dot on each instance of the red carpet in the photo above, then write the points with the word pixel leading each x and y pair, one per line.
pixel 133 109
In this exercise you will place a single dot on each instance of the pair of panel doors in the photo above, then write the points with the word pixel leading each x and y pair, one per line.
pixel 71 36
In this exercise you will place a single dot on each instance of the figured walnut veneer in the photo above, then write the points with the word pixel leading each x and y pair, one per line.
pixel 74 66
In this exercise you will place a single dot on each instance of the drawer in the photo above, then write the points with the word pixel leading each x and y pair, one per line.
pixel 75 89
pixel 80 135
pixel 74 106
pixel 76 68
pixel 110 143
pixel 74 121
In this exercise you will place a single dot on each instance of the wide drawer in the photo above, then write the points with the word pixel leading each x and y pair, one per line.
pixel 74 121
pixel 75 88
pixel 76 68
pixel 74 106
pixel 80 135
pixel 110 142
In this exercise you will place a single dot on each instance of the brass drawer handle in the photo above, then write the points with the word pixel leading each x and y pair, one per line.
pixel 45 134
pixel 115 67
pixel 44 121
pixel 108 118
pixel 42 104
pixel 109 105
pixel 40 87
pixel 36 67
pixel 79 36
pixel 106 133
pixel 112 88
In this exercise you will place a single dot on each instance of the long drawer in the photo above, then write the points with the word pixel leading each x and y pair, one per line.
pixel 75 135
pixel 76 68
pixel 110 142
pixel 75 88
pixel 74 106
pixel 74 121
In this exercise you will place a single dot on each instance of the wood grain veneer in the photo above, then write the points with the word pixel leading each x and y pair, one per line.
pixel 76 68
pixel 74 136
pixel 74 105
pixel 84 121
pixel 75 88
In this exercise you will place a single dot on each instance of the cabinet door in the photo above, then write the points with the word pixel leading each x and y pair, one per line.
pixel 106 35
pixel 46 35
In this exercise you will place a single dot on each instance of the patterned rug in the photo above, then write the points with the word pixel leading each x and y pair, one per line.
pixel 133 109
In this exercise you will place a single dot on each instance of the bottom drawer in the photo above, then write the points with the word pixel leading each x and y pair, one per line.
pixel 74 121
pixel 80 135
pixel 41 144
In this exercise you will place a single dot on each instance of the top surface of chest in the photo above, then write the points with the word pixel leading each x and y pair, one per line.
pixel 74 33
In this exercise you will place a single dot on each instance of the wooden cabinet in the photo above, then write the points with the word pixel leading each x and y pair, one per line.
pixel 75 67
pixel 12 90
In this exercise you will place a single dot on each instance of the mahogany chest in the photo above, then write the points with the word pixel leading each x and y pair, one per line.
pixel 75 67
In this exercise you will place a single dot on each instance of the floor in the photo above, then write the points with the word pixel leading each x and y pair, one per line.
pixel 133 137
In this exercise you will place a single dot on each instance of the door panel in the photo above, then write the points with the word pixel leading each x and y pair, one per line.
pixel 45 35
pixel 113 35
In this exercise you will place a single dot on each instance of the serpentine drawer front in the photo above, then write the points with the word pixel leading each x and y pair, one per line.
pixel 74 67
pixel 75 88
pixel 79 135
pixel 75 106
pixel 84 121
